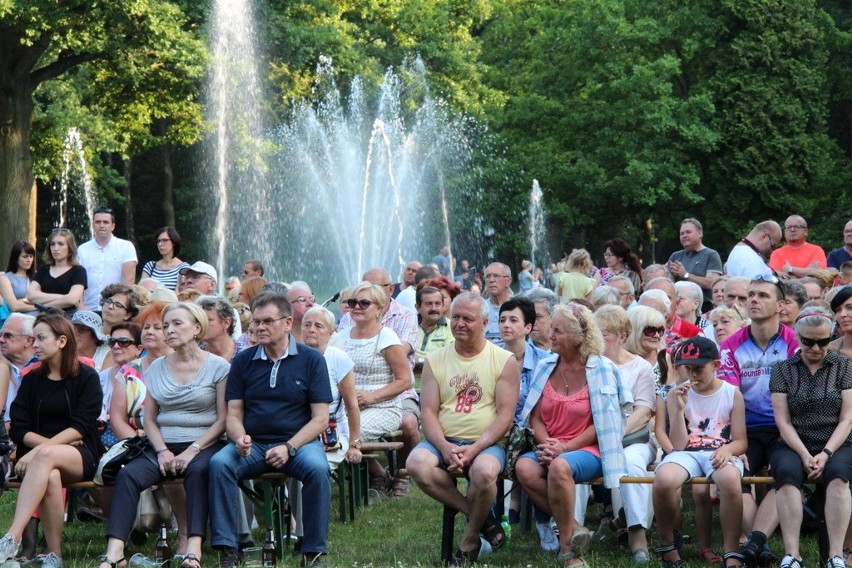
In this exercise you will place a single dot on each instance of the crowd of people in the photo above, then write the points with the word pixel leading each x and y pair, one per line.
pixel 708 369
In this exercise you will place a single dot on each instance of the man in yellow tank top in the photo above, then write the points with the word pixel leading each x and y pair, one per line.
pixel 468 396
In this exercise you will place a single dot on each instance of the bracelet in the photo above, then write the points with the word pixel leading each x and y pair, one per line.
pixel 827 452
pixel 196 446
pixel 161 451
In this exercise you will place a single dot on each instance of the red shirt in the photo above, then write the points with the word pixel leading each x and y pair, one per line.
pixel 680 330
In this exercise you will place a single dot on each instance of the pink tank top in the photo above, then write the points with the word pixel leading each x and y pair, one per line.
pixel 566 417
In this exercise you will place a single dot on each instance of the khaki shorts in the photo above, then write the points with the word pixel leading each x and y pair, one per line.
pixel 411 406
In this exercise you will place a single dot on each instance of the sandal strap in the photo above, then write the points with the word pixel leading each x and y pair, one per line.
pixel 663 548
pixel 104 559
pixel 733 556
pixel 191 558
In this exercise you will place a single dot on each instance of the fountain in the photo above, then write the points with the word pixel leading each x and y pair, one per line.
pixel 240 188
pixel 537 228
pixel 75 199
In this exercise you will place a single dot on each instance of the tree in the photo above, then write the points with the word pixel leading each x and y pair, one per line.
pixel 133 62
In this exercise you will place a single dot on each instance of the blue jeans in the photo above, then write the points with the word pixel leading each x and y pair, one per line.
pixel 309 466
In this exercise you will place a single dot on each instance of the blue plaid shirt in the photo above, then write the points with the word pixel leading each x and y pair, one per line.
pixel 532 356
pixel 608 397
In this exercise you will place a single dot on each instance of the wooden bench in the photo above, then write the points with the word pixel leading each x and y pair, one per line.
pixel 269 498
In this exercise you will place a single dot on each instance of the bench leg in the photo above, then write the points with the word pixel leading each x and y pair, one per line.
pixel 823 530
pixel 448 528
pixel 342 469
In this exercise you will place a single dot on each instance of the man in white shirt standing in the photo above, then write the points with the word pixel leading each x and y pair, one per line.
pixel 106 258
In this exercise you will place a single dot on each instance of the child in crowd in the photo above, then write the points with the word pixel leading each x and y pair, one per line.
pixel 707 434
pixel 846 273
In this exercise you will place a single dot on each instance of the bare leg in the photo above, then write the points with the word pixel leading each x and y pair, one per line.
pixel 423 467
pixel 52 512
pixel 177 499
pixel 728 480
pixel 703 516
pixel 667 481
pixel 838 506
pixel 788 499
pixel 532 476
pixel 115 550
pixel 481 492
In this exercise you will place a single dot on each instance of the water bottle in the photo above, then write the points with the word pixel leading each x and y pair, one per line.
pixel 507 528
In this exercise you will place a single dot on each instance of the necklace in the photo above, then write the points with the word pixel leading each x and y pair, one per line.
pixel 564 380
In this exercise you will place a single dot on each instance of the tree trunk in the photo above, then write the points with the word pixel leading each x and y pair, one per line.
pixel 129 223
pixel 17 195
pixel 168 177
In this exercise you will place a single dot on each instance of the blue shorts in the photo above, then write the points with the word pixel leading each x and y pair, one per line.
pixel 584 464
pixel 495 450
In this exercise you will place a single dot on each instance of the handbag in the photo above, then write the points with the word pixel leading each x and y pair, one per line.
pixel 521 440
pixel 153 510
pixel 118 456
pixel 642 436
pixel 329 438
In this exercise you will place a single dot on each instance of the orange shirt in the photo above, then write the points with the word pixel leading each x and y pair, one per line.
pixel 798 257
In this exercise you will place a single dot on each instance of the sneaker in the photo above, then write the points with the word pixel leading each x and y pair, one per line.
pixel 791 562
pixel 641 557
pixel 8 547
pixel 548 540
pixel 49 560
pixel 836 562
pixel 229 558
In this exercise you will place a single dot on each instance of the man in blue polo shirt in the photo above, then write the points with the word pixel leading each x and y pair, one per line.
pixel 278 394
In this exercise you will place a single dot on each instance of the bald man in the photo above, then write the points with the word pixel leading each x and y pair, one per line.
pixel 798 258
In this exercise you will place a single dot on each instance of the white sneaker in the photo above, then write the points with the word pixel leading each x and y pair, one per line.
pixel 49 560
pixel 547 538
pixel 836 562
pixel 8 547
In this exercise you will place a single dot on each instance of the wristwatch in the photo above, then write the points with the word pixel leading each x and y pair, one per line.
pixel 357 444
pixel 196 446
pixel 686 275
pixel 291 449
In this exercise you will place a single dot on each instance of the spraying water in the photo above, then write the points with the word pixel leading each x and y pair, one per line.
pixel 76 192
pixel 537 228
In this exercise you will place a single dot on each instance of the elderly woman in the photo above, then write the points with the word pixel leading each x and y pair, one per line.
pixel 54 423
pixel 184 421
pixel 575 407
pixel 220 327
pixel 91 342
pixel 166 270
pixel 647 328
pixel 120 304
pixel 637 375
pixel 812 401
pixel 727 320
pixel 841 305
pixel 689 300
pixel 381 368
pixel 60 281
pixel 795 297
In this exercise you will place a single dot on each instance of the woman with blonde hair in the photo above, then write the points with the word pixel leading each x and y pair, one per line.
pixel 525 279
pixel 575 283
pixel 575 408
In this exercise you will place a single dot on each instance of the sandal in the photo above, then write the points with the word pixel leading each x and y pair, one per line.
pixel 666 548
pixel 399 487
pixel 733 556
pixel 190 561
pixel 847 552
pixel 791 562
pixel 466 557
pixel 492 531
pixel 104 559
pixel 709 556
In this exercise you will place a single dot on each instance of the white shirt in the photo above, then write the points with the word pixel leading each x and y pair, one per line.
pixel 744 261
pixel 104 266
pixel 407 297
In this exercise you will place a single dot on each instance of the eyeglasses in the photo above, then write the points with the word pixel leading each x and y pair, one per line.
pixel 102 210
pixel 795 227
pixel 769 278
pixel 110 303
pixel 651 331
pixel 769 236
pixel 267 322
pixel 496 276
pixel 163 241
pixel 362 304
pixel 809 342
pixel 7 335
pixel 196 275
pixel 304 299
pixel 123 342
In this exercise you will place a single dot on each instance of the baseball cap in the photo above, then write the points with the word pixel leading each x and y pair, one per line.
pixel 696 351
pixel 201 268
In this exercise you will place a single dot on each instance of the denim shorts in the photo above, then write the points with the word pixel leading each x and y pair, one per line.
pixel 495 450
pixel 584 464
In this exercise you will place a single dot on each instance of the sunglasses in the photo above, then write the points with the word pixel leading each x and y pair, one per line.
pixel 363 304
pixel 651 331
pixel 122 341
pixel 770 278
pixel 809 342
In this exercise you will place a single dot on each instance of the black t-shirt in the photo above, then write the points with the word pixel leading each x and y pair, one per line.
pixel 62 284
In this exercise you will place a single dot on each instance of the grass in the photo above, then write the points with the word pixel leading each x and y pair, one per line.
pixel 405 533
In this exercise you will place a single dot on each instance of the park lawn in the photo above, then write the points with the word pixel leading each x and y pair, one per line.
pixel 402 533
